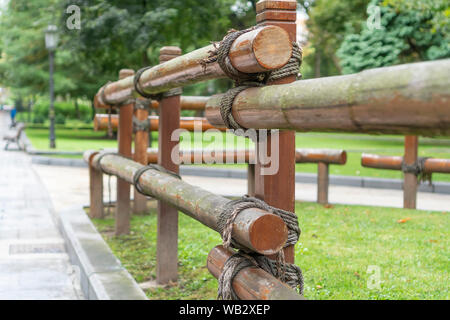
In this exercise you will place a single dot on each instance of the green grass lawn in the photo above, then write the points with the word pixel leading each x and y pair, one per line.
pixel 355 144
pixel 337 247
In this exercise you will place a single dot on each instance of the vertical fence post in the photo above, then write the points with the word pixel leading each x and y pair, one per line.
pixel 124 138
pixel 141 142
pixel 96 209
pixel 167 241
pixel 251 179
pixel 410 179
pixel 322 182
pixel 278 190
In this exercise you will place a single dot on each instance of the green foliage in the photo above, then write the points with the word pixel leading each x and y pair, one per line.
pixel 64 110
pixel 114 35
pixel 328 24
pixel 406 34
pixel 39 118
pixel 123 34
pixel 59 119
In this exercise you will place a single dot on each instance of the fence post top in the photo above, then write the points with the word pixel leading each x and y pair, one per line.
pixel 124 73
pixel 169 52
pixel 276 5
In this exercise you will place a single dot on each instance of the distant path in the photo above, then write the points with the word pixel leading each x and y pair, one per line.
pixel 75 181
pixel 33 260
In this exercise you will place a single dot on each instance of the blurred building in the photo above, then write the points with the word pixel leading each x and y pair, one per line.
pixel 302 29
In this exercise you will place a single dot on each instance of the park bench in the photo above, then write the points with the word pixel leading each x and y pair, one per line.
pixel 382 101
pixel 15 136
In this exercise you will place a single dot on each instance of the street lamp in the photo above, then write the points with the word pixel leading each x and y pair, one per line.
pixel 51 41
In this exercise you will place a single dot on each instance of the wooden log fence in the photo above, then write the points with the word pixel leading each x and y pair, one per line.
pixel 101 123
pixel 187 103
pixel 427 166
pixel 251 283
pixel 407 99
pixel 254 228
pixel 260 50
pixel 323 158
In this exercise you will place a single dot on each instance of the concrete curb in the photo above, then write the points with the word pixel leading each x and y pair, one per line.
pixel 102 276
pixel 361 182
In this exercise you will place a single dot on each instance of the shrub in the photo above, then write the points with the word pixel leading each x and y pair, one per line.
pixel 65 109
pixel 60 119
pixel 38 118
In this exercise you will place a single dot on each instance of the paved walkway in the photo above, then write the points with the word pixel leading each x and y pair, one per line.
pixel 76 182
pixel 33 259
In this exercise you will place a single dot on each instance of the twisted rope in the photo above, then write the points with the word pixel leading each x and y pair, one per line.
pixel 232 208
pixel 288 273
pixel 140 125
pixel 158 96
pixel 140 104
pixel 139 172
pixel 245 81
pixel 293 275
pixel 220 54
pixel 418 169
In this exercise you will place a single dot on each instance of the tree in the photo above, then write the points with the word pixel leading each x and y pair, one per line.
pixel 122 34
pixel 328 24
pixel 24 62
pixel 405 34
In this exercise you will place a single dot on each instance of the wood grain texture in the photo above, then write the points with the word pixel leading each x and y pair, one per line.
pixel 278 190
pixel 190 68
pixel 404 99
pixel 410 179
pixel 251 283
pixel 256 229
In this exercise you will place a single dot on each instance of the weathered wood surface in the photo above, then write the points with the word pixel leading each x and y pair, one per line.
pixel 167 226
pixel 124 141
pixel 431 165
pixel 96 208
pixel 140 155
pixel 260 50
pixel 278 189
pixel 207 157
pixel 256 229
pixel 187 103
pixel 251 283
pixel 323 181
pixel 409 179
pixel 404 99
pixel 328 156
pixel 187 123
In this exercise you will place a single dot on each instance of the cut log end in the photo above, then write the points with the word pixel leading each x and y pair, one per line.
pixel 272 54
pixel 261 228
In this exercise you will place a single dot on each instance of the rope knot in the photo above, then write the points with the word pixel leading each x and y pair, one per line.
pixel 288 273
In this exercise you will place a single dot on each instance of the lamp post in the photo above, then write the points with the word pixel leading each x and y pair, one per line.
pixel 51 41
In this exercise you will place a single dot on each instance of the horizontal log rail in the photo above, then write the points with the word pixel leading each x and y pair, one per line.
pixel 260 50
pixel 404 99
pixel 395 163
pixel 188 123
pixel 187 103
pixel 256 229
pixel 251 283
pixel 248 156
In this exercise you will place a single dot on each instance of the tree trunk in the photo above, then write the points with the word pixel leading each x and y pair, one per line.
pixel 77 109
pixel 318 60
